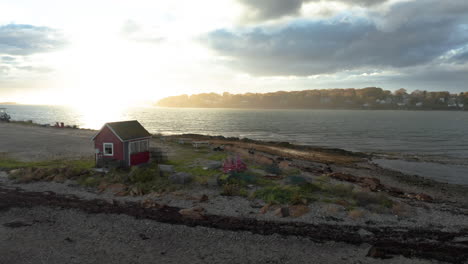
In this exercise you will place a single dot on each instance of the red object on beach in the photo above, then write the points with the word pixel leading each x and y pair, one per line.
pixel 62 125
pixel 234 165
pixel 126 142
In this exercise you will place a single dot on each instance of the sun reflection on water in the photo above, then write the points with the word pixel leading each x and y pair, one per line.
pixel 95 116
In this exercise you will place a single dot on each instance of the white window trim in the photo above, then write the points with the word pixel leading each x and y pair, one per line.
pixel 104 149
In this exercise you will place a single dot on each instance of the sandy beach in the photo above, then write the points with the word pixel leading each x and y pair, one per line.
pixel 37 229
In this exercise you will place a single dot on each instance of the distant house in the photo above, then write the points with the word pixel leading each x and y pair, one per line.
pixel 123 143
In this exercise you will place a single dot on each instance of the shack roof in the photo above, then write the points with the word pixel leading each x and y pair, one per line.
pixel 127 130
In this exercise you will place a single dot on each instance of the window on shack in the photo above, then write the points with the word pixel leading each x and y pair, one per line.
pixel 108 149
pixel 139 146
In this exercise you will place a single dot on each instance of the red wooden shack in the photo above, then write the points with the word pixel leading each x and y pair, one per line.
pixel 125 142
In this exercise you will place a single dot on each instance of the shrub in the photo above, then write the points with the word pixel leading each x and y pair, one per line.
pixel 241 178
pixel 279 194
pixel 143 175
pixel 366 199
pixel 231 189
pixel 296 180
pixel 273 169
pixel 340 190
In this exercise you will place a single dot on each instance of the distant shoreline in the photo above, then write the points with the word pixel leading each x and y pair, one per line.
pixel 343 109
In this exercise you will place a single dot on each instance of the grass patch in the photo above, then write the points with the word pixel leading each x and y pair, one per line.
pixel 232 189
pixel 10 163
pixel 287 194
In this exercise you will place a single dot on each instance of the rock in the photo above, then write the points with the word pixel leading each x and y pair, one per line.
pixel 372 183
pixel 59 178
pixel 265 208
pixel 424 197
pixel 364 233
pixel 193 213
pixel 212 165
pixel 463 240
pixel 203 198
pixel 181 178
pixel 41 173
pixel 148 203
pixel 102 186
pixel 255 204
pixel 116 188
pixel 375 252
pixel 343 177
pixel 16 172
pixel 282 212
pixel 395 191
pixel 284 164
pixel 298 210
pixel 166 168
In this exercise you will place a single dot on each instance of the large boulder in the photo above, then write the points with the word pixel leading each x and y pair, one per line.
pixel 181 178
pixel 193 213
pixel 213 165
pixel 166 169
pixel 298 210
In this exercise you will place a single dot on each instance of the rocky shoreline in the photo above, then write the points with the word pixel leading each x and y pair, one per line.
pixel 385 241
pixel 426 219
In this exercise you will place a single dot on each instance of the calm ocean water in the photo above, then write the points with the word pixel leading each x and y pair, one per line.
pixel 435 136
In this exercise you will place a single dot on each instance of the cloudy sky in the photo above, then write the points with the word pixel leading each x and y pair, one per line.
pixel 119 51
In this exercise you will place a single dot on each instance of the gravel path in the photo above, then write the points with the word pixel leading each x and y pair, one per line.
pixel 29 142
pixel 45 235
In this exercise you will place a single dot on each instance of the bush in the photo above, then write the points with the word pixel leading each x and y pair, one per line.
pixel 279 194
pixel 142 175
pixel 296 180
pixel 273 169
pixel 231 189
pixel 367 199
pixel 241 178
pixel 340 190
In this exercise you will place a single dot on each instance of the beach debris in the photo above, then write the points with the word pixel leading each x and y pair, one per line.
pixel 181 178
pixel 193 213
pixel 234 165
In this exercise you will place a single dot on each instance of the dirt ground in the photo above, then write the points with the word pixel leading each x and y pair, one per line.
pixel 44 234
pixel 30 142
pixel 47 235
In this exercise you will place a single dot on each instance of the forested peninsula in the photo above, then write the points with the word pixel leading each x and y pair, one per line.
pixel 365 98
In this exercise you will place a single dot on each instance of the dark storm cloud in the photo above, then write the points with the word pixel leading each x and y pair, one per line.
pixel 461 57
pixel 405 36
pixel 315 48
pixel 259 10
pixel 16 39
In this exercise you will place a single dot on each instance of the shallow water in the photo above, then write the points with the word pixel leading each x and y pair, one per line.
pixel 436 171
pixel 437 135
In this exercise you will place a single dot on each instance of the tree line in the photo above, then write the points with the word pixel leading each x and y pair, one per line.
pixel 365 98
